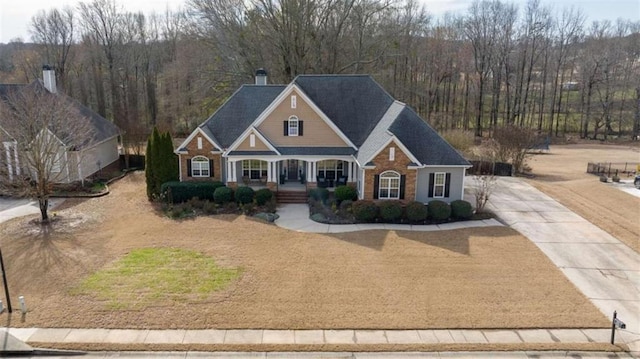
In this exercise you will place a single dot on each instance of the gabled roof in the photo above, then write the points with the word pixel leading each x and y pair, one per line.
pixel 240 110
pixel 103 128
pixel 424 142
pixel 355 103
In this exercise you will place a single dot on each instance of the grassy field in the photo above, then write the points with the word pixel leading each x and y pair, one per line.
pixel 474 278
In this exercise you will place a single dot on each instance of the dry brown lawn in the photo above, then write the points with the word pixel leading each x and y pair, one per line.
pixel 562 175
pixel 475 278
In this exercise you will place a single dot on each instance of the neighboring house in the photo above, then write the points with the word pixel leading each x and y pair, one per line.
pixel 76 163
pixel 323 130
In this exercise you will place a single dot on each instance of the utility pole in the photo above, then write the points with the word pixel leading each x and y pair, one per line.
pixel 6 285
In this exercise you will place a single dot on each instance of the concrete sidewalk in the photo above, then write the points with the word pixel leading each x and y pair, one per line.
pixel 315 337
pixel 296 217
pixel 356 355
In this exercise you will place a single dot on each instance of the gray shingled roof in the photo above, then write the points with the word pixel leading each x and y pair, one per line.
pixel 103 128
pixel 320 151
pixel 239 112
pixel 252 153
pixel 424 142
pixel 355 103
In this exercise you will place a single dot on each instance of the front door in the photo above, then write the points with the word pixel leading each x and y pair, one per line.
pixel 292 170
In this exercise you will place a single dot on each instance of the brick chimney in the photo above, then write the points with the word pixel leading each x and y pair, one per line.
pixel 261 77
pixel 49 78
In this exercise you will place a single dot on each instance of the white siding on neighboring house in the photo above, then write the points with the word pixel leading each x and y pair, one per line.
pixel 96 158
pixel 455 186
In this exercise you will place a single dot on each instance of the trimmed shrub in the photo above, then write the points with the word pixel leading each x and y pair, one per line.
pixel 179 192
pixel 461 209
pixel 346 205
pixel 244 194
pixel 416 211
pixel 365 211
pixel 344 193
pixel 319 217
pixel 263 196
pixel 390 210
pixel 223 195
pixel 439 210
pixel 319 194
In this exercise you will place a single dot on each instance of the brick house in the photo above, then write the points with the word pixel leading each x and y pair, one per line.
pixel 323 131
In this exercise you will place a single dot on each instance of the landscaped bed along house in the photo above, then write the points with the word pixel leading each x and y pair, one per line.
pixel 323 131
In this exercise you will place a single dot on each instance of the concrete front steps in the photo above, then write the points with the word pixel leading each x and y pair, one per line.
pixel 291 197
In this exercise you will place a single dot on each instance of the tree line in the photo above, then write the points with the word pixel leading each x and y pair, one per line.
pixel 495 65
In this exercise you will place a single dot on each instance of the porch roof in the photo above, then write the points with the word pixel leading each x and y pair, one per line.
pixel 299 151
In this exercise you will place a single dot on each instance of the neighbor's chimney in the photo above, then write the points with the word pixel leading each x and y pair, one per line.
pixel 49 78
pixel 261 77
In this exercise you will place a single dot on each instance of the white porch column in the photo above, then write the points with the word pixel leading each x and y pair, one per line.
pixel 308 170
pixel 314 170
pixel 229 178
pixel 15 153
pixel 269 171
pixel 8 152
pixel 349 172
pixel 234 171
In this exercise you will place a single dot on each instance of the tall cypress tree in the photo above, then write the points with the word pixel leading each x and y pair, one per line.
pixel 152 170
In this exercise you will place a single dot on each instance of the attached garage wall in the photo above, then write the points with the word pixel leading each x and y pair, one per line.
pixel 106 153
pixel 455 188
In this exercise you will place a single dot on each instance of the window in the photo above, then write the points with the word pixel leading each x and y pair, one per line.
pixel 392 154
pixel 439 181
pixel 200 167
pixel 293 126
pixel 254 169
pixel 293 101
pixel 389 185
pixel 199 143
pixel 330 169
pixel 252 140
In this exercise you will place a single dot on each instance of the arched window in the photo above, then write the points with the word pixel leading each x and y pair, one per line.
pixel 293 126
pixel 389 185
pixel 200 167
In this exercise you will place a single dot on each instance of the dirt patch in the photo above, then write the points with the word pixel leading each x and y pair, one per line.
pixel 472 278
pixel 562 175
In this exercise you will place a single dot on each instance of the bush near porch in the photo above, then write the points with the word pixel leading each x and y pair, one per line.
pixel 327 207
pixel 190 199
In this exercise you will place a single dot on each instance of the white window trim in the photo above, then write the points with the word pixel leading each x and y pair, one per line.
pixel 294 101
pixel 388 185
pixel 252 140
pixel 392 154
pixel 246 166
pixel 294 119
pixel 436 185
pixel 201 162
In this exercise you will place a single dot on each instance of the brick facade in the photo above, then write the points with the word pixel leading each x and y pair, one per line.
pixel 193 151
pixel 399 164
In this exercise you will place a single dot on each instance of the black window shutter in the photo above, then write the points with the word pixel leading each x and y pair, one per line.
pixel 286 128
pixel 447 184
pixel 300 128
pixel 210 168
pixel 189 167
pixel 402 181
pixel 376 186
pixel 431 177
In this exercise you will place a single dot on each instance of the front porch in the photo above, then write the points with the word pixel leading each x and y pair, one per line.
pixel 294 175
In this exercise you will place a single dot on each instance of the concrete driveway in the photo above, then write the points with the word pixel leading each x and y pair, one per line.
pixel 603 268
pixel 17 207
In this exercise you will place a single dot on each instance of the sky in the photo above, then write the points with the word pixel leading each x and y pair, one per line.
pixel 15 15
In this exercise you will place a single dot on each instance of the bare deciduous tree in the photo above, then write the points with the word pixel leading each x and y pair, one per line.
pixel 44 134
